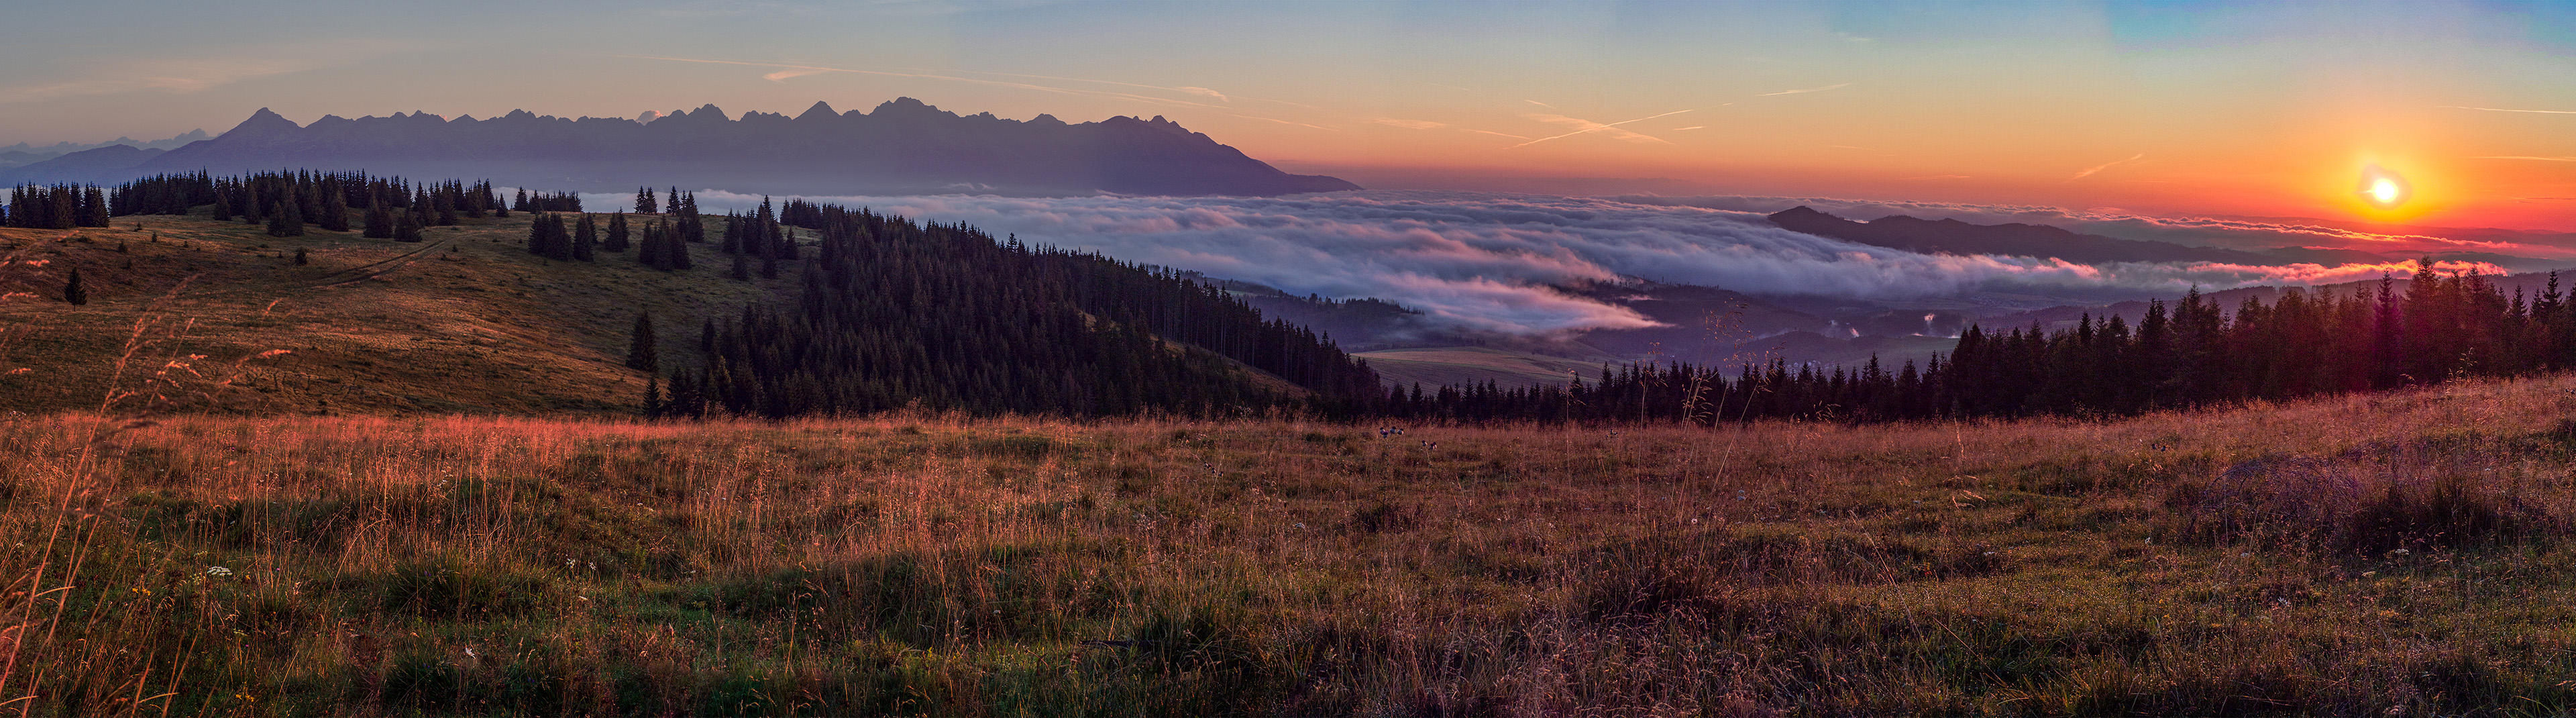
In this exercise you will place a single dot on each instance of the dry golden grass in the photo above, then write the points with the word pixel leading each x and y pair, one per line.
pixel 2297 559
pixel 465 322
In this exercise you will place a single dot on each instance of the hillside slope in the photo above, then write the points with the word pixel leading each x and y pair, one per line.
pixel 2402 553
pixel 877 313
pixel 467 321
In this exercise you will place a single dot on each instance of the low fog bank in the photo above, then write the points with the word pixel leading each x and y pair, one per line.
pixel 1532 265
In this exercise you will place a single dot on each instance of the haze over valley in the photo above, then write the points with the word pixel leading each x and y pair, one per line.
pixel 1403 357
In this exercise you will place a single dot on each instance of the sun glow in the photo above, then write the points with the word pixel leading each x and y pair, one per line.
pixel 2382 188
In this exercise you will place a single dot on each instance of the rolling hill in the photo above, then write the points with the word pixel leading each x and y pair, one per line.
pixel 191 313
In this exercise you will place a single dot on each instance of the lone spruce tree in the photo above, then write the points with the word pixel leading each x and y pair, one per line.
pixel 641 354
pixel 73 292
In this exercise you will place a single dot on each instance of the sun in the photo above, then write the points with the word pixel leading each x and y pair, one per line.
pixel 2384 189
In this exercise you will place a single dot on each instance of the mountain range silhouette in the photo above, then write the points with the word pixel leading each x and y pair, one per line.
pixel 901 147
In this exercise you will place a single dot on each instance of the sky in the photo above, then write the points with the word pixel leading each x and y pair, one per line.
pixel 2166 108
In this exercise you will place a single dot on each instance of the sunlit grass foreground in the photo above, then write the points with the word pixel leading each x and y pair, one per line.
pixel 2356 555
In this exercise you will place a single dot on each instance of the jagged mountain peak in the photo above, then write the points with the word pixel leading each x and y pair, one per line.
pixel 903 146
pixel 264 121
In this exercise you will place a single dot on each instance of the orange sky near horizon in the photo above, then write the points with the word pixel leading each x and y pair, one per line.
pixel 2210 109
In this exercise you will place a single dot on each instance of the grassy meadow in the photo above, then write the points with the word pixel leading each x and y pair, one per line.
pixel 2401 554
pixel 432 501
pixel 464 322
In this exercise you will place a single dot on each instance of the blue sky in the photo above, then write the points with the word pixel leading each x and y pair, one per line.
pixel 2236 107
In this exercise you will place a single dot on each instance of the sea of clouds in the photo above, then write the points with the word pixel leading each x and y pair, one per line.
pixel 1486 261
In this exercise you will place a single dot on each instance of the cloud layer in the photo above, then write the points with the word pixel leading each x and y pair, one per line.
pixel 1486 262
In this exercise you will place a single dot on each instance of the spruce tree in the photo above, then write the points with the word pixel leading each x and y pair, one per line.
pixel 299 257
pixel 742 267
pixel 675 250
pixel 286 220
pixel 585 239
pixel 560 246
pixel 539 240
pixel 380 223
pixel 93 211
pixel 406 227
pixel 648 252
pixel 616 233
pixel 73 291
pixel 652 395
pixel 641 350
pixel 334 214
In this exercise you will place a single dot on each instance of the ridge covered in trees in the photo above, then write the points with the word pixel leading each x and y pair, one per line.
pixel 894 313
pixel 396 208
pixel 2193 353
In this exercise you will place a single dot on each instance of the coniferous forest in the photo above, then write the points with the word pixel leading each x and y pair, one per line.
pixel 1225 493
pixel 894 313
pixel 392 207
pixel 2191 354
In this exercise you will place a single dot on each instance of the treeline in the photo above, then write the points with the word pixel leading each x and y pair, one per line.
pixel 2192 353
pixel 893 313
pixel 287 202
pixel 758 234
pixel 545 202
pixel 61 206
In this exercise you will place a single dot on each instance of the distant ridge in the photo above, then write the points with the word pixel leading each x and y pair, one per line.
pixel 1950 236
pixel 901 147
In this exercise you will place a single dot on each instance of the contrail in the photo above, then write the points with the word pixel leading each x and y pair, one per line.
pixel 1201 91
pixel 1599 127
pixel 2104 166
pixel 2503 109
pixel 1811 89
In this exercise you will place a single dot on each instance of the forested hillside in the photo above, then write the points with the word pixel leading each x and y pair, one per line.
pixel 829 311
pixel 894 313
pixel 2193 353
pixel 857 312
